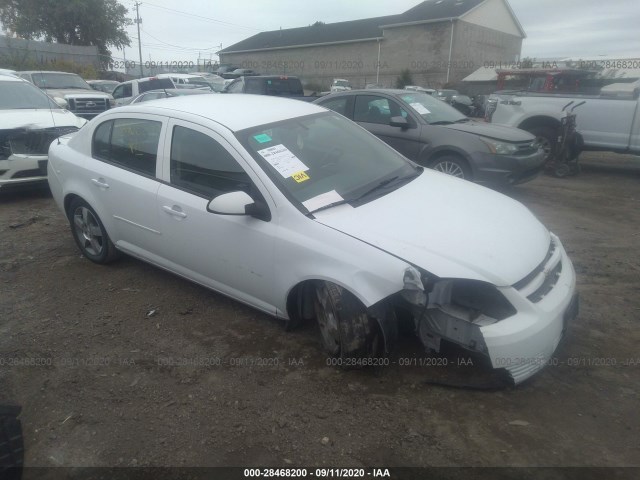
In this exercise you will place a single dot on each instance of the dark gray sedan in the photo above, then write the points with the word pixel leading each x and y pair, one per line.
pixel 436 135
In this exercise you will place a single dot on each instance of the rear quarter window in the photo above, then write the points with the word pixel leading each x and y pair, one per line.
pixel 131 143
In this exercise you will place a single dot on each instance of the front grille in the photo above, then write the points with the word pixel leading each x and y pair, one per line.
pixel 537 284
pixel 88 106
pixel 33 142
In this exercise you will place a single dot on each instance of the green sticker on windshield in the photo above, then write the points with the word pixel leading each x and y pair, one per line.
pixel 262 138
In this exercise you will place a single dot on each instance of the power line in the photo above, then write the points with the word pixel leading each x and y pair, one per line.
pixel 209 19
pixel 178 46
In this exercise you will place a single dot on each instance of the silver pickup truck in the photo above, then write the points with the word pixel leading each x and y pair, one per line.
pixel 70 91
pixel 609 121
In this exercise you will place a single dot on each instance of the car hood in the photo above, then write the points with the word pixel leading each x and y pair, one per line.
pixel 76 93
pixel 39 118
pixel 449 227
pixel 496 132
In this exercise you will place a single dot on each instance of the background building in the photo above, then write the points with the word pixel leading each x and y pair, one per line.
pixel 439 41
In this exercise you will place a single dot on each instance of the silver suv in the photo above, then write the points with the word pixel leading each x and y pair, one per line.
pixel 70 91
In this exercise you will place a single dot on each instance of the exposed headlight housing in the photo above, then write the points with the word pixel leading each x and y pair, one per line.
pixel 500 148
pixel 472 300
pixel 456 311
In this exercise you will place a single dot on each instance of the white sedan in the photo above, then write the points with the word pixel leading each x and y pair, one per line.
pixel 300 213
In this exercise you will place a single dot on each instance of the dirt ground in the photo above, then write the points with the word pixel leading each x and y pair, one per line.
pixel 128 365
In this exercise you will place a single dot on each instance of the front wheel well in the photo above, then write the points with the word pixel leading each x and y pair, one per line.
pixel 301 308
pixel 444 153
pixel 539 121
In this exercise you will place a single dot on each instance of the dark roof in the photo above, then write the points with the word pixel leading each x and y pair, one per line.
pixel 427 11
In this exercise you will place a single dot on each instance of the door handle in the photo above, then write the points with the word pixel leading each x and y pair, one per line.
pixel 174 211
pixel 100 182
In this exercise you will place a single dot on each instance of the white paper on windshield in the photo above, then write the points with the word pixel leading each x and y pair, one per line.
pixel 322 200
pixel 283 160
pixel 421 109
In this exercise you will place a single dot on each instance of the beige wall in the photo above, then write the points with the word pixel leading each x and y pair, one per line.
pixel 423 49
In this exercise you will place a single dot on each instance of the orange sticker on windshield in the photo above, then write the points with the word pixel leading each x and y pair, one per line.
pixel 300 177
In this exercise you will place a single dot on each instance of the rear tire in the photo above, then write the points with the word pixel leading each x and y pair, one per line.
pixel 89 233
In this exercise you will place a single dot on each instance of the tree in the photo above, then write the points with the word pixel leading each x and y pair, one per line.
pixel 99 23
pixel 404 79
pixel 527 62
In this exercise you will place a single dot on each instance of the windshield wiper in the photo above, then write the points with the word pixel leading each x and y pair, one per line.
pixel 381 184
pixel 441 122
pixel 330 205
pixel 385 183
pixel 462 120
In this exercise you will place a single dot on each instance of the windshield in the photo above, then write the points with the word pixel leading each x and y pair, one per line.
pixel 434 111
pixel 23 95
pixel 59 80
pixel 104 87
pixel 326 156
pixel 341 83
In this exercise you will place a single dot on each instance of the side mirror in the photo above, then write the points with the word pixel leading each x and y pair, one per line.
pixel 399 122
pixel 61 102
pixel 238 203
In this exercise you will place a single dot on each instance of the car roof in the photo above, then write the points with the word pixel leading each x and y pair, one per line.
pixel 236 112
pixel 177 91
pixel 177 75
pixel 8 77
pixel 143 79
pixel 370 91
pixel 47 71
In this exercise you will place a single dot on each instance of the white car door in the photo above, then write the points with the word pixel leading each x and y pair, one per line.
pixel 229 253
pixel 124 181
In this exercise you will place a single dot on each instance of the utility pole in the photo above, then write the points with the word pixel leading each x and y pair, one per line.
pixel 139 21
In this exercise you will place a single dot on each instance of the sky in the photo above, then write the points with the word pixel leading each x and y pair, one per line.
pixel 191 29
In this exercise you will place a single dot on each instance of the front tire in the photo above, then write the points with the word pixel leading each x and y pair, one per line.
pixel 89 233
pixel 346 329
pixel 452 165
pixel 547 138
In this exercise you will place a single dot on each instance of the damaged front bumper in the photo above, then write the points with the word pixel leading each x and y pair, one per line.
pixel 24 154
pixel 517 328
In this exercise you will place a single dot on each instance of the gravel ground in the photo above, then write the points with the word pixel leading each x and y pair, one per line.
pixel 86 351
